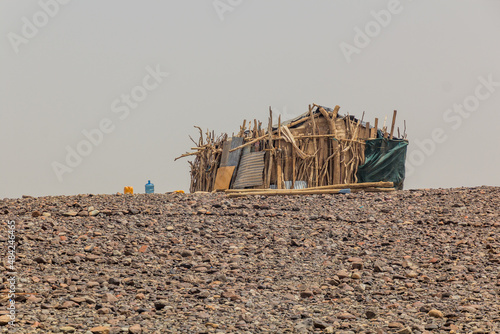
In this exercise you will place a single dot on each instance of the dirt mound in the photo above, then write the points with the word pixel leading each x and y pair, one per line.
pixel 406 262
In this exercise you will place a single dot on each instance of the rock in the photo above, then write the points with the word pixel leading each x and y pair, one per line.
pixel 67 329
pixel 186 253
pixel 70 213
pixel 469 309
pixel 343 274
pixel 135 329
pixel 100 330
pixel 4 319
pixel 94 212
pixel 319 324
pixel 370 314
pixel 378 266
pixel 67 304
pixel 357 266
pixel 395 325
pixel 110 298
pixel 39 259
pixel 160 304
pixel 356 275
pixel 406 330
pixel 435 313
pixel 345 316
pixel 306 294
pixel 430 327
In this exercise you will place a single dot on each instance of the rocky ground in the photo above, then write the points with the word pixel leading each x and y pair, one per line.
pixel 424 261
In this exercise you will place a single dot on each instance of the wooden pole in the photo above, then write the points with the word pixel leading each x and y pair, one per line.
pixel 381 184
pixel 270 147
pixel 384 128
pixel 315 146
pixel 248 143
pixel 307 191
pixel 294 156
pixel 278 170
pixel 393 122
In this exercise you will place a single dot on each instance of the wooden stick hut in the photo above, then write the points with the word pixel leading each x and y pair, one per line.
pixel 319 148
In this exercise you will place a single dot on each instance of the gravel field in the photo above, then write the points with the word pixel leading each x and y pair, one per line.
pixel 417 261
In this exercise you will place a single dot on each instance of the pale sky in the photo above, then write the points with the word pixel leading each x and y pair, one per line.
pixel 68 68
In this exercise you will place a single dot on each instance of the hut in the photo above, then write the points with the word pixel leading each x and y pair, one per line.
pixel 318 149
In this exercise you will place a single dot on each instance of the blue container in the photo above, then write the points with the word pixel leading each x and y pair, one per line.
pixel 345 191
pixel 150 188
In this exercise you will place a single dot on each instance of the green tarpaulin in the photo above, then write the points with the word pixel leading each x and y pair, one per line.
pixel 384 161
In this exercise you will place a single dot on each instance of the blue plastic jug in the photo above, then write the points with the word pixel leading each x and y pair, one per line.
pixel 150 188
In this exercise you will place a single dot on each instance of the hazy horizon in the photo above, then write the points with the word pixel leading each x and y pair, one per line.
pixel 121 84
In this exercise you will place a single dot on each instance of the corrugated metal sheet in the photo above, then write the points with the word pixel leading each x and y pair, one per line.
pixel 297 185
pixel 250 170
pixel 231 159
pixel 288 185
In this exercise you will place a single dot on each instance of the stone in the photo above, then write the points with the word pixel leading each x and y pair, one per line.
pixel 135 329
pixel 435 313
pixel 356 275
pixel 306 294
pixel 110 298
pixel 40 259
pixel 343 274
pixel 345 316
pixel 319 324
pixel 370 314
pixel 4 319
pixel 395 325
pixel 70 213
pixel 186 253
pixel 357 266
pixel 100 330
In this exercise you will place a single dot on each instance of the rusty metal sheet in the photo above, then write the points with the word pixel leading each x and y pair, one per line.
pixel 250 171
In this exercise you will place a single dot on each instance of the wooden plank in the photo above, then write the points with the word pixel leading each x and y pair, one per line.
pixel 380 184
pixel 223 178
pixel 384 128
pixel 340 133
pixel 226 146
pixel 306 191
pixel 375 129
pixel 393 122
pixel 367 132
